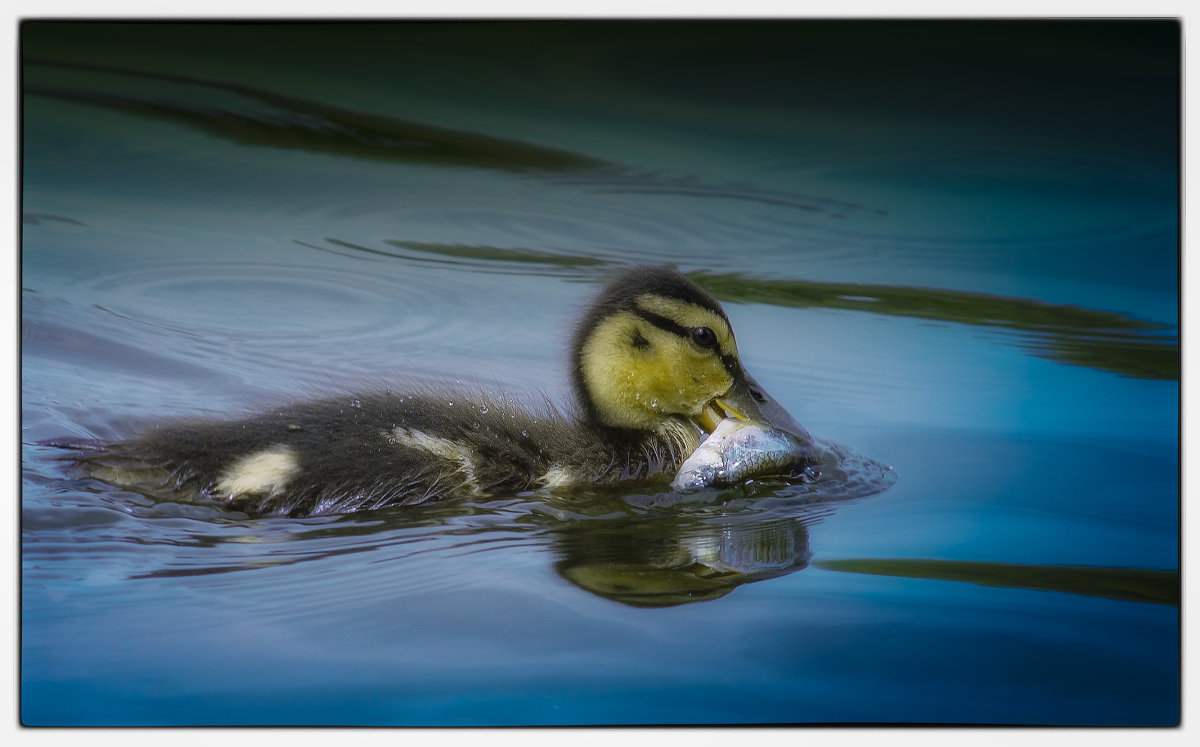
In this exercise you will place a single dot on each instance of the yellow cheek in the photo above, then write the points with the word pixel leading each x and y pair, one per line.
pixel 679 380
pixel 637 387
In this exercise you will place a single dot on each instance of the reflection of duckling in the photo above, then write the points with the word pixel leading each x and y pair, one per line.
pixel 667 561
pixel 653 358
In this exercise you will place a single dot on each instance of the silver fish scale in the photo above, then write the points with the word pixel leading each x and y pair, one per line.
pixel 736 451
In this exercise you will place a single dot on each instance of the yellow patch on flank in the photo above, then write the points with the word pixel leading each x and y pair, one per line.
pixel 556 477
pixel 266 471
pixel 440 447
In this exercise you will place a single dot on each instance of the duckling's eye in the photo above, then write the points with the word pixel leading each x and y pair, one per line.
pixel 704 337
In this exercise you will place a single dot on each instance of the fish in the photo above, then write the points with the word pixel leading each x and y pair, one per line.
pixel 737 450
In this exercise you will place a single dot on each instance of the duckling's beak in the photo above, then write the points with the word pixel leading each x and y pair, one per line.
pixel 749 402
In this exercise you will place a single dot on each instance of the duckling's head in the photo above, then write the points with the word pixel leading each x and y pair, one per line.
pixel 654 347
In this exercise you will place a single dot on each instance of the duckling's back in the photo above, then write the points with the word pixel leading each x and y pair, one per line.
pixel 357 453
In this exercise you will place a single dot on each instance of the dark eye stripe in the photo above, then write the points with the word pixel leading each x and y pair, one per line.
pixel 664 323
pixel 730 362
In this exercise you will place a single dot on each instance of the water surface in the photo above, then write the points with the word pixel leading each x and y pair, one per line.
pixel 950 248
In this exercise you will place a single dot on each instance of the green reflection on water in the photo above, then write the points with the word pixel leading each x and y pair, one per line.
pixel 1097 339
pixel 491 253
pixel 270 119
pixel 1103 340
pixel 1126 584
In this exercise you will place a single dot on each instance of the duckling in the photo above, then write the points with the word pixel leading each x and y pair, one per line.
pixel 654 366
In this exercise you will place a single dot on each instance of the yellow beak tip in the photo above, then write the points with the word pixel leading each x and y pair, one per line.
pixel 729 410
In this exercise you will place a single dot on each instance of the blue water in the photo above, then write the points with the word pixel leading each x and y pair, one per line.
pixel 948 247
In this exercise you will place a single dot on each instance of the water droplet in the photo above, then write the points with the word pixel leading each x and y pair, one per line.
pixel 484 409
pixel 524 433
